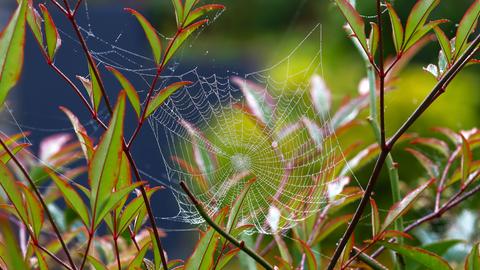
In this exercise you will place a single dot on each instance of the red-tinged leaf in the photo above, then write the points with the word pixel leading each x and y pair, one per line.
pixel 321 96
pixel 156 251
pixel 314 131
pixel 418 15
pixel 283 248
pixel 71 196
pixel 226 258
pixel 426 258
pixel 354 20
pixel 34 20
pixel 150 33
pixel 472 262
pixel 454 137
pixel 201 11
pixel 347 250
pixel 260 103
pixel 51 33
pixel 5 157
pixel 85 141
pixel 96 264
pixel 12 43
pixel 203 155
pixel 200 181
pixel 375 218
pixel 467 159
pixel 399 208
pixel 395 234
pixel 163 95
pixel 104 167
pixel 348 111
pixel 397 28
pixel 131 211
pixel 10 252
pixel 329 227
pixel 34 210
pixel 238 231
pixel 42 262
pixel 177 4
pixel 189 4
pixel 310 257
pixel 426 162
pixel 439 145
pixel 129 89
pixel 136 263
pixel 444 43
pixel 93 88
pixel 203 254
pixel 466 27
pixel 8 183
pixel 237 207
pixel 421 32
pixel 373 39
pixel 180 39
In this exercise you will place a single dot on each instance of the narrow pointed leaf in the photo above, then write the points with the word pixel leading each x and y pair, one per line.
pixel 397 28
pixel 431 168
pixel 71 196
pixel 434 143
pixel 354 20
pixel 5 157
pixel 373 38
pixel 93 88
pixel 129 89
pixel 163 95
pixel 177 4
pixel 182 36
pixel 7 181
pixel 467 158
pixel 314 131
pixel 34 20
pixel 236 210
pixel 418 15
pixel 331 226
pixel 472 261
pixel 150 33
pixel 51 33
pixel 444 43
pixel 104 167
pixel 399 208
pixel 426 258
pixel 321 96
pixel 97 265
pixel 136 263
pixel 12 43
pixel 34 210
pixel 85 141
pixel 421 32
pixel 188 7
pixel 201 11
pixel 226 258
pixel 466 27
pixel 375 218
pixel 131 211
pixel 310 257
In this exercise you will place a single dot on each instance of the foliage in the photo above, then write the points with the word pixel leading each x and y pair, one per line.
pixel 117 198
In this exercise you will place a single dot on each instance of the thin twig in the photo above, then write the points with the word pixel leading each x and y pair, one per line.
pixel 231 239
pixel 89 243
pixel 42 201
pixel 438 88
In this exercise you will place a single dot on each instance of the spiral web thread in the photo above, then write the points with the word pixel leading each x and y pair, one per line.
pixel 293 172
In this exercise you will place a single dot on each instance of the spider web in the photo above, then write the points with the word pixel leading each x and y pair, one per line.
pixel 286 160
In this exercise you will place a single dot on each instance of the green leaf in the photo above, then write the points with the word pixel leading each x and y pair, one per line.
pixel 236 210
pixel 12 43
pixel 373 39
pixel 467 159
pixel 131 211
pixel 397 28
pixel 71 196
pixel 441 247
pixel 128 87
pixel 444 43
pixel 434 143
pixel 466 27
pixel 203 254
pixel 182 35
pixel 5 157
pixel 156 251
pixel 418 15
pixel 310 257
pixel 314 131
pixel 137 261
pixel 426 258
pixel 97 265
pixel 399 208
pixel 188 7
pixel 177 4
pixel 34 21
pixel 431 168
pixel 93 88
pixel 104 167
pixel 42 263
pixel 10 252
pixel 201 11
pixel 51 33
pixel 204 158
pixel 163 95
pixel 8 183
pixel 375 218
pixel 421 32
pixel 34 210
pixel 260 103
pixel 331 226
pixel 472 261
pixel 354 20
pixel 150 33
pixel 283 248
pixel 226 258
pixel 85 141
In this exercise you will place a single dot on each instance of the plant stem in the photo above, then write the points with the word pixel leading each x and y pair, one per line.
pixel 227 236
pixel 117 253
pixel 90 237
pixel 55 258
pixel 374 264
pixel 381 75
pixel 437 89
pixel 40 198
